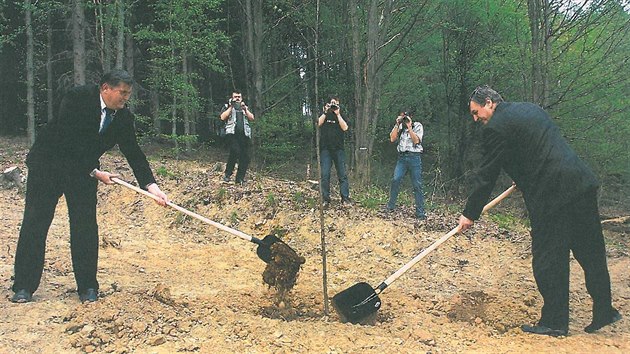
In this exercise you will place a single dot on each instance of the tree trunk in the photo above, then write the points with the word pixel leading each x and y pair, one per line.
pixel 78 42
pixel 368 83
pixel 254 35
pixel 49 69
pixel 155 111
pixel 538 12
pixel 120 33
pixel 30 81
pixel 186 110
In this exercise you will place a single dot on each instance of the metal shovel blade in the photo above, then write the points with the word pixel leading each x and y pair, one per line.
pixel 356 303
pixel 264 247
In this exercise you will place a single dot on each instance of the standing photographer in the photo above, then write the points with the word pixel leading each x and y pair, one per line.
pixel 409 136
pixel 332 128
pixel 238 134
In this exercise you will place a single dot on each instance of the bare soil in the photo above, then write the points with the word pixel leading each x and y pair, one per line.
pixel 172 284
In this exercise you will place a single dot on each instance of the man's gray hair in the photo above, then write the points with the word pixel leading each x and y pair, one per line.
pixel 484 92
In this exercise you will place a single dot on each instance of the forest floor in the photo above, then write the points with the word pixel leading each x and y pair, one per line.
pixel 170 283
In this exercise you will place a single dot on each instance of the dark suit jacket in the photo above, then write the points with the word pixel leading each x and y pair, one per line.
pixel 521 139
pixel 72 140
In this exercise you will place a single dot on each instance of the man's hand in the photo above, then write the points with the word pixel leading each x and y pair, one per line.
pixel 243 106
pixel 105 177
pixel 465 223
pixel 155 190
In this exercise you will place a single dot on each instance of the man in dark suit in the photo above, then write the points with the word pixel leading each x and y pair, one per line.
pixel 64 160
pixel 560 195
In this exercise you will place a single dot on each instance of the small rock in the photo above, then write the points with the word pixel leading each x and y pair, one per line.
pixel 157 340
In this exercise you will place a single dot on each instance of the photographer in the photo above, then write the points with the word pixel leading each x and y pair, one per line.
pixel 332 127
pixel 238 134
pixel 409 136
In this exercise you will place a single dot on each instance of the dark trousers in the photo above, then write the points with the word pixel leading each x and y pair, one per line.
pixel 45 185
pixel 576 228
pixel 239 152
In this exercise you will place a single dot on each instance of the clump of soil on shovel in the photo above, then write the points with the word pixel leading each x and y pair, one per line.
pixel 281 273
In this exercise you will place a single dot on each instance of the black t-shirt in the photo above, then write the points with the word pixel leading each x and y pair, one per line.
pixel 331 135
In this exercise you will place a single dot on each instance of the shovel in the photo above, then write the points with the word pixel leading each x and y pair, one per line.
pixel 264 246
pixel 360 301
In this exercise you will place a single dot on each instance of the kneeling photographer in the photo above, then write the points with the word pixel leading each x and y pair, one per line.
pixel 409 136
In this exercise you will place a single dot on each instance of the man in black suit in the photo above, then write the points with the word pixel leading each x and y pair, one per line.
pixel 64 160
pixel 560 195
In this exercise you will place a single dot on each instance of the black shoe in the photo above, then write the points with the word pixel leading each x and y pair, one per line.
pixel 226 179
pixel 602 321
pixel 544 330
pixel 89 295
pixel 240 182
pixel 326 203
pixel 346 201
pixel 22 296
pixel 421 217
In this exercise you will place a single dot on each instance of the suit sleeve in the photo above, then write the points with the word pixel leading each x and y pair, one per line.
pixel 128 145
pixel 494 153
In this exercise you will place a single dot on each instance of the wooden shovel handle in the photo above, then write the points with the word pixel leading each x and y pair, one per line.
pixel 441 240
pixel 188 212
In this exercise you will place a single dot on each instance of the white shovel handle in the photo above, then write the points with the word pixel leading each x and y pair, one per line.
pixel 441 240
pixel 187 212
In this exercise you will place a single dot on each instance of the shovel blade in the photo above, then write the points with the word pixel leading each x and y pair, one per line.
pixel 264 247
pixel 357 303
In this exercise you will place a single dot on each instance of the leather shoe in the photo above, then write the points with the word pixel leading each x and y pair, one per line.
pixel 601 321
pixel 543 330
pixel 21 296
pixel 89 295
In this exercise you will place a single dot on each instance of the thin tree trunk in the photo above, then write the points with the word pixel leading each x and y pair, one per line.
pixel 186 110
pixel 254 20
pixel 120 34
pixel 78 42
pixel 30 81
pixel 49 69
pixel 155 111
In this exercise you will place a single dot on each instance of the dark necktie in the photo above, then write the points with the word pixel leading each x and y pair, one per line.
pixel 109 115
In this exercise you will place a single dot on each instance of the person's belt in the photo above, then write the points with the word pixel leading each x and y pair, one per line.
pixel 409 153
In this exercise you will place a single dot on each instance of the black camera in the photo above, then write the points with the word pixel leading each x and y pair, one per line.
pixel 235 104
pixel 334 106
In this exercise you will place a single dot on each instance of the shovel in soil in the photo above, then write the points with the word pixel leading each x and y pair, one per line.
pixel 264 246
pixel 360 302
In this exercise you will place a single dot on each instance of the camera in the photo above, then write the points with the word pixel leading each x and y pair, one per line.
pixel 235 104
pixel 334 106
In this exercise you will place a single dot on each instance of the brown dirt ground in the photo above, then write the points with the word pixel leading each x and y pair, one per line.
pixel 173 284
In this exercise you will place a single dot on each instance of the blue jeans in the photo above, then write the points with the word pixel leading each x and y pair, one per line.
pixel 337 157
pixel 413 164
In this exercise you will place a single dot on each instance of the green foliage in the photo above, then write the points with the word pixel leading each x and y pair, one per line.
pixel 234 218
pixel 504 221
pixel 270 200
pixel 222 194
pixel 163 172
pixel 371 198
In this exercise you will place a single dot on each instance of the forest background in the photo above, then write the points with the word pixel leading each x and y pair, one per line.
pixel 289 56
